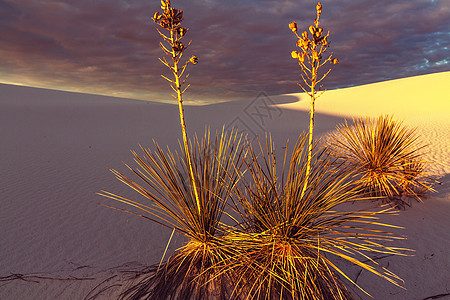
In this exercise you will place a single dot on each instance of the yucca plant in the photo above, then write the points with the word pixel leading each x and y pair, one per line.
pixel 185 191
pixel 384 156
pixel 285 246
pixel 161 180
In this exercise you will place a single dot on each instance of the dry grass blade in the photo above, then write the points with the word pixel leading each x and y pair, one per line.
pixel 286 244
pixel 384 156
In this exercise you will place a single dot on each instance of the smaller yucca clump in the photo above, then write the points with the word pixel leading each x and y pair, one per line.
pixel 384 156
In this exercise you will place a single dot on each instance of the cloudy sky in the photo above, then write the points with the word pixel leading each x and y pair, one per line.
pixel 111 46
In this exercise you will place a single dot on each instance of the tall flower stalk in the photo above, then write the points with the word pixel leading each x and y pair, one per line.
pixel 310 59
pixel 170 20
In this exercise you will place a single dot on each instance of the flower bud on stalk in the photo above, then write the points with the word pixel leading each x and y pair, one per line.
pixel 165 4
pixel 305 35
pixel 156 17
pixel 305 44
pixel 293 26
pixel 302 57
pixel 178 46
pixel 181 31
pixel 315 55
pixel 194 59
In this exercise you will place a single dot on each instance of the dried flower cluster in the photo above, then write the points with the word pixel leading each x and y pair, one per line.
pixel 310 58
pixel 171 19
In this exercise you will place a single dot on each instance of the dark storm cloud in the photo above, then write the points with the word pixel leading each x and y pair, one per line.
pixel 111 46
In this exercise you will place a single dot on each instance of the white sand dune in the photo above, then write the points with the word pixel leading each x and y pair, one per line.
pixel 56 149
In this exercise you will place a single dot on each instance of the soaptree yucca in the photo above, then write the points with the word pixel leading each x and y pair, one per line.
pixel 185 191
pixel 286 245
pixel 168 199
pixel 384 156
pixel 311 59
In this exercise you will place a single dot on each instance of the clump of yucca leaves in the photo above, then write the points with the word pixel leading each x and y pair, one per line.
pixel 310 59
pixel 191 271
pixel 384 156
pixel 285 245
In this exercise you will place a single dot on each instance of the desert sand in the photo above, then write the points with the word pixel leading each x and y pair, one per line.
pixel 57 241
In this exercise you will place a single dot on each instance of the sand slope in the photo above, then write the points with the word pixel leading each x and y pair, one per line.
pixel 56 149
